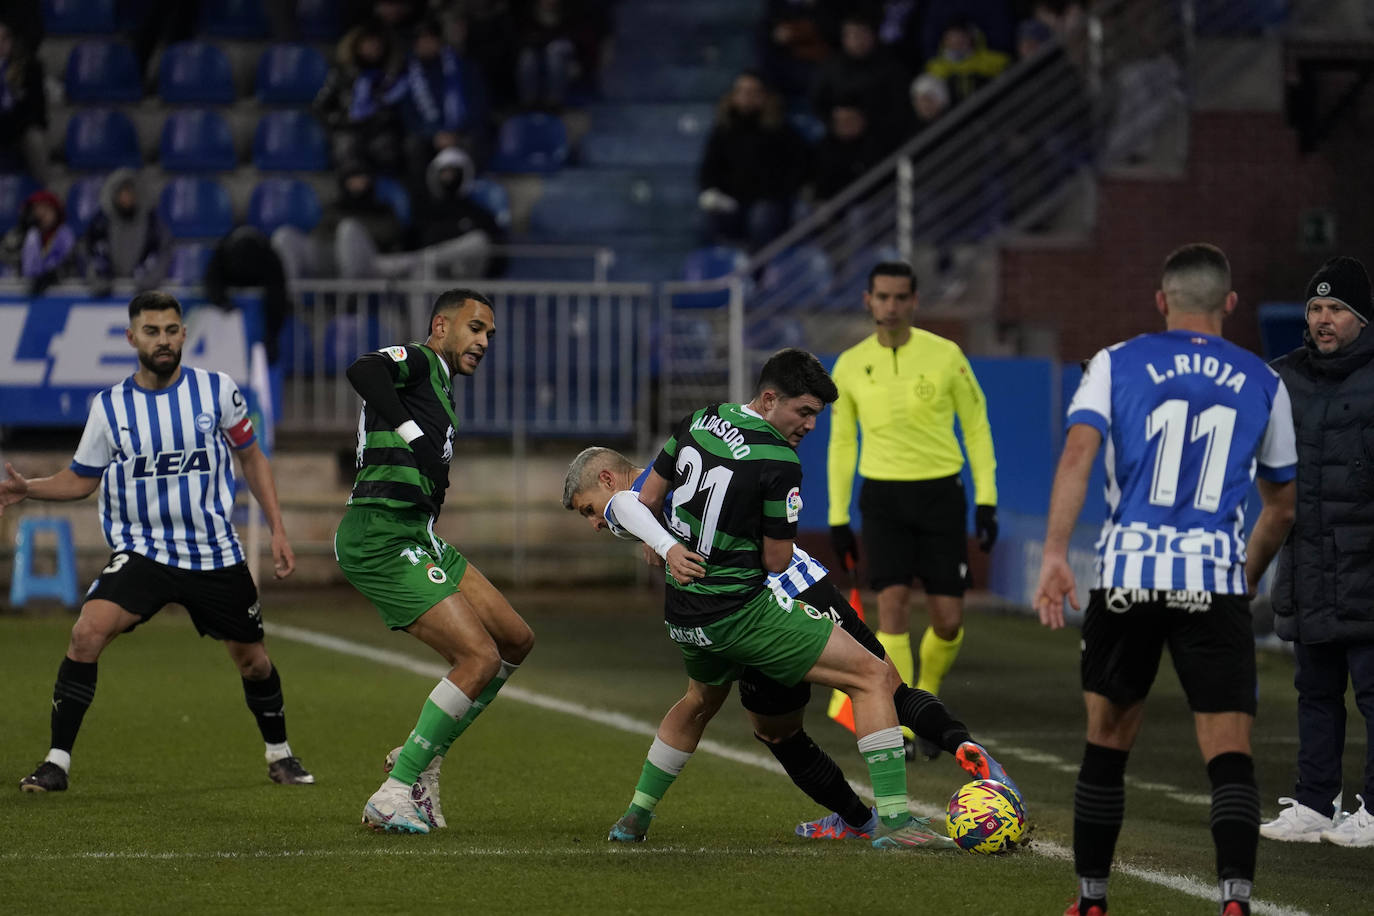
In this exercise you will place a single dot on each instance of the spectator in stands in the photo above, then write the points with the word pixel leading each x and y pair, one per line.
pixel 23 106
pixel 929 100
pixel 458 231
pixel 545 61
pixel 356 220
pixel 753 166
pixel 965 62
pixel 796 36
pixel 360 99
pixel 899 31
pixel 125 240
pixel 863 70
pixel 245 258
pixel 49 247
pixel 849 149
pixel 445 103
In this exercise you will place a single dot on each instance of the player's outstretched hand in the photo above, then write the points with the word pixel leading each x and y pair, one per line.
pixel 1056 584
pixel 685 566
pixel 14 488
pixel 283 557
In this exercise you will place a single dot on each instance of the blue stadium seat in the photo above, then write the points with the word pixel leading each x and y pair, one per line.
pixel 492 196
pixel 318 19
pixel 390 191
pixel 1281 327
pixel 197 140
pixel 808 125
pixel 531 143
pixel 102 71
pixel 277 202
pixel 195 208
pixel 195 72
pixel 188 262
pixel 101 139
pixel 14 190
pixel 83 202
pixel 799 276
pixel 79 17
pixel 290 141
pixel 290 74
pixel 234 18
pixel 709 264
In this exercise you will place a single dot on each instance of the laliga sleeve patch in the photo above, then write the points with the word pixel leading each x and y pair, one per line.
pixel 241 433
pixel 794 504
pixel 396 353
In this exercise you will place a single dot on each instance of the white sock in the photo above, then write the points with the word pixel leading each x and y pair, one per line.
pixel 61 758
pixel 277 752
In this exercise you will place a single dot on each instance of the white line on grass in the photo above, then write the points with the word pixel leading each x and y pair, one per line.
pixel 391 658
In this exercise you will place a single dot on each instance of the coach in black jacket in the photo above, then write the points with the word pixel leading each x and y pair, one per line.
pixel 1324 581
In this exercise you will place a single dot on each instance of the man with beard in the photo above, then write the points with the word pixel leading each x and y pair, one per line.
pixel 157 446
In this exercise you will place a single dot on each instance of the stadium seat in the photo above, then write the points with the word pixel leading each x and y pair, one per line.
pixel 196 73
pixel 195 208
pixel 234 18
pixel 318 19
pixel 102 71
pixel 799 276
pixel 492 196
pixel 392 192
pixel 197 140
pixel 290 141
pixel 808 125
pixel 14 190
pixel 709 264
pixel 1281 327
pixel 290 74
pixel 83 202
pixel 101 139
pixel 531 143
pixel 296 348
pixel 188 262
pixel 79 17
pixel 277 202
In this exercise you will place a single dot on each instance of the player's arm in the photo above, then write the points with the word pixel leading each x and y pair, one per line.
pixel 1066 501
pixel 257 470
pixel 378 378
pixel 1278 507
pixel 782 504
pixel 66 484
pixel 972 409
pixel 654 491
pixel 638 519
pixel 842 454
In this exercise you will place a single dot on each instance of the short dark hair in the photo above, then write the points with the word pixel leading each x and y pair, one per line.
pixel 793 373
pixel 153 301
pixel 892 269
pixel 452 298
pixel 1196 278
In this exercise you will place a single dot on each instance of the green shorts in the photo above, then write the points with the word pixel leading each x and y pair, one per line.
pixel 783 641
pixel 397 561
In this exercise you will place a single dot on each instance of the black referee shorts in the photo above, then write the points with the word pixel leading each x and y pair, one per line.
pixel 916 529
pixel 223 603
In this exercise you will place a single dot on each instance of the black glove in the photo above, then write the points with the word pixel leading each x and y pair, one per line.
pixel 985 526
pixel 430 460
pixel 846 547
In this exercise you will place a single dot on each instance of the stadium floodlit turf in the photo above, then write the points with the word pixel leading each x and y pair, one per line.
pixel 170 810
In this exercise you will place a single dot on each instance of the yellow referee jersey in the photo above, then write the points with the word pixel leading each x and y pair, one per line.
pixel 905 400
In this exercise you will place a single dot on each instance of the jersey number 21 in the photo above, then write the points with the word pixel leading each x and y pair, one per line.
pixel 713 483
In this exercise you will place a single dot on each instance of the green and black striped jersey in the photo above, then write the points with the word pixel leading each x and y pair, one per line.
pixel 388 474
pixel 735 481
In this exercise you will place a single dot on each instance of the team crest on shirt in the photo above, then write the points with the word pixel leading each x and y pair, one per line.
pixel 794 504
pixel 205 422
pixel 396 353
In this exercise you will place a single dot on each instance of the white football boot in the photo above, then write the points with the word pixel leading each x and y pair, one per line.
pixel 391 810
pixel 425 792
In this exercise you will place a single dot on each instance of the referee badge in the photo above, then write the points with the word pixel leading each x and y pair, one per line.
pixel 205 422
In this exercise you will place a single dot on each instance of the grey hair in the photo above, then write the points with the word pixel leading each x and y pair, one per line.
pixel 583 469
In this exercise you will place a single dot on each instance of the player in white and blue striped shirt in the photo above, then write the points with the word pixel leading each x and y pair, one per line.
pixel 157 446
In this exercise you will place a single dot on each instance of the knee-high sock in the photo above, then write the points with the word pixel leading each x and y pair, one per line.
pixel 937 657
pixel 1235 823
pixel 661 767
pixel 882 751
pixel 483 700
pixel 444 707
pixel 927 717
pixel 72 695
pixel 1099 804
pixel 817 774
pixel 264 699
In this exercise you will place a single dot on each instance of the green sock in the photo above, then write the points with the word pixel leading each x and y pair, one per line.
pixel 660 769
pixel 485 697
pixel 446 704
pixel 882 751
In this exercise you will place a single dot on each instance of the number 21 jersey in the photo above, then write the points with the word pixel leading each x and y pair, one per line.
pixel 1188 419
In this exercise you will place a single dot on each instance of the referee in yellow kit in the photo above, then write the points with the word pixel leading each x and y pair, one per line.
pixel 902 387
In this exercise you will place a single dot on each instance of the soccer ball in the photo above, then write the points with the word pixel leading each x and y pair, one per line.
pixel 985 816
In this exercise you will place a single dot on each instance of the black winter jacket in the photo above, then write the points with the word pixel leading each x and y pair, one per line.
pixel 1324 580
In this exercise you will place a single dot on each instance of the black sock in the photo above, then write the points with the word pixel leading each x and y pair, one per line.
pixel 816 774
pixel 72 695
pixel 1235 824
pixel 924 713
pixel 1099 804
pixel 265 702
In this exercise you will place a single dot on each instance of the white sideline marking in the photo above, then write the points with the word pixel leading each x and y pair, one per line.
pixel 1182 883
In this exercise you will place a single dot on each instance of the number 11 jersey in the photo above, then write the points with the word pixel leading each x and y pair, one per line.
pixel 1188 419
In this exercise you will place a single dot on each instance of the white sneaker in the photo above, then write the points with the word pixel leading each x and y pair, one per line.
pixel 1355 829
pixel 1297 824
pixel 425 792
pixel 390 809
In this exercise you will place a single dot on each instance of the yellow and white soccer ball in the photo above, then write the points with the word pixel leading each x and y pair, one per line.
pixel 985 816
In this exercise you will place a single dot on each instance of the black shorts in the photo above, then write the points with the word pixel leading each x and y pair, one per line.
pixel 766 697
pixel 916 529
pixel 223 603
pixel 1209 638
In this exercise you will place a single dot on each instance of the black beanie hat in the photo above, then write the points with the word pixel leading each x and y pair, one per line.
pixel 1343 279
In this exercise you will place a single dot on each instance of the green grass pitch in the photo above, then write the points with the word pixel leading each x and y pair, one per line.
pixel 170 810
